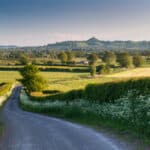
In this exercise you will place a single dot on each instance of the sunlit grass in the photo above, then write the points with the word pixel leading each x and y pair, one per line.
pixel 138 72
pixel 9 76
pixel 69 81
pixel 66 81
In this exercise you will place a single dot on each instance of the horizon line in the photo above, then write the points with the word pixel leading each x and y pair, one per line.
pixel 17 45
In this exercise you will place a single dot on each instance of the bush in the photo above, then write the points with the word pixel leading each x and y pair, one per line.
pixel 33 84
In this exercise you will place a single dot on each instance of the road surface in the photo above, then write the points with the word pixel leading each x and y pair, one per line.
pixel 29 131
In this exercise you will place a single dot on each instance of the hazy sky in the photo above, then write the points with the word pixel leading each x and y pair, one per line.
pixel 38 22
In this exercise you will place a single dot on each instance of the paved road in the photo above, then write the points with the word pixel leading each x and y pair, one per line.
pixel 28 131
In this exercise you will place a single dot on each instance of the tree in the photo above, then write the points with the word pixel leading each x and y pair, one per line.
pixel 109 58
pixel 92 59
pixel 104 69
pixel 92 62
pixel 92 70
pixel 31 78
pixel 70 56
pixel 23 59
pixel 125 60
pixel 63 57
pixel 138 60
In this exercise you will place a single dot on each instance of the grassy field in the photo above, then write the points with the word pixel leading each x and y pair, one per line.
pixel 65 81
pixel 9 76
pixel 61 81
pixel 138 72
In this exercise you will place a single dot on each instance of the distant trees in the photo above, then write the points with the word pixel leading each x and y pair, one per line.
pixel 66 57
pixel 92 59
pixel 70 57
pixel 138 60
pixel 23 59
pixel 31 78
pixel 125 60
pixel 104 69
pixel 63 57
pixel 109 58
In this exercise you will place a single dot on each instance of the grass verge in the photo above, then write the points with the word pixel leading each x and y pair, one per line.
pixel 5 92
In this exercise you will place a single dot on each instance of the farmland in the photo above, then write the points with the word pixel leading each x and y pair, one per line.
pixel 138 72
pixel 65 81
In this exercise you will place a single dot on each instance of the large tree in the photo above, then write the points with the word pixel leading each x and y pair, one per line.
pixel 109 58
pixel 92 59
pixel 31 78
pixel 125 60
pixel 70 56
pixel 138 60
pixel 23 59
pixel 63 57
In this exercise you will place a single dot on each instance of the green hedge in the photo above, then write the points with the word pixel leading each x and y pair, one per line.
pixel 53 69
pixel 109 92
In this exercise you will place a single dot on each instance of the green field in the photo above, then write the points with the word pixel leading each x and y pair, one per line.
pixel 138 72
pixel 65 81
pixel 58 80
pixel 9 76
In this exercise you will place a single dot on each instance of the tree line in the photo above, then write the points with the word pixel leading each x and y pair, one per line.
pixel 112 60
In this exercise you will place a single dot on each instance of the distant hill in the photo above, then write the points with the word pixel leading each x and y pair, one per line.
pixel 90 44
pixel 96 44
pixel 7 46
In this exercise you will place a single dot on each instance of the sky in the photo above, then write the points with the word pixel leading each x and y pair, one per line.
pixel 39 22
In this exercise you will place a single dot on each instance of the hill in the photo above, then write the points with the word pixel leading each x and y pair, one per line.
pixel 7 46
pixel 90 44
pixel 96 44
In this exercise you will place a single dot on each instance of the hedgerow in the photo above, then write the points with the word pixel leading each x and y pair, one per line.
pixel 109 92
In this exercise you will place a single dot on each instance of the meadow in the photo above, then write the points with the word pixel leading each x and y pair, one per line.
pixel 66 81
pixel 132 73
pixel 60 81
